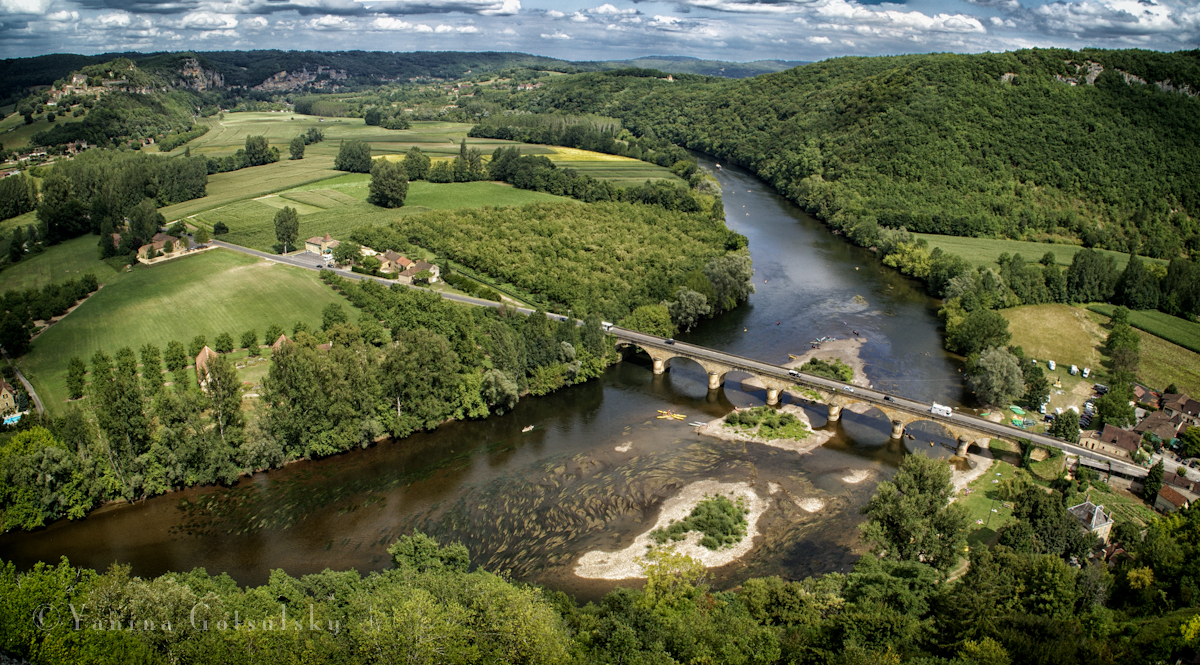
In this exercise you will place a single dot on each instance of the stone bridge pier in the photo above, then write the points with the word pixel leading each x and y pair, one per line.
pixel 716 371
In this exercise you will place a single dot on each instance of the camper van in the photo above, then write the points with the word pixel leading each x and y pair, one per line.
pixel 1050 364
pixel 1074 370
pixel 606 326
pixel 941 410
pixel 1086 371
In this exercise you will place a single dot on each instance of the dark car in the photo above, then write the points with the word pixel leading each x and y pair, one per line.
pixel 670 341
pixel 889 398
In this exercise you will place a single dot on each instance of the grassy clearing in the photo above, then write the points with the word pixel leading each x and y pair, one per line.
pixel 251 223
pixel 1064 334
pixel 57 264
pixel 1171 328
pixel 7 226
pixel 985 251
pixel 254 182
pixel 207 294
pixel 14 133
pixel 1047 469
pixel 1164 363
pixel 982 497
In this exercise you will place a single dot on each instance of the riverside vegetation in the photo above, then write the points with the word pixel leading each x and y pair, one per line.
pixel 1018 603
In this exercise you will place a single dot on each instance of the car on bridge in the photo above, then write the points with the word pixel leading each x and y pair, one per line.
pixel 669 341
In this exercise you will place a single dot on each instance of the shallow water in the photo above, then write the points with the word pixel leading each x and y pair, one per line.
pixel 533 503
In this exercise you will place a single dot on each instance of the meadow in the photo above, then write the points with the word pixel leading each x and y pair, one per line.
pixel 985 251
pixel 205 294
pixel 14 133
pixel 254 182
pixel 982 500
pixel 1171 328
pixel 57 264
pixel 338 206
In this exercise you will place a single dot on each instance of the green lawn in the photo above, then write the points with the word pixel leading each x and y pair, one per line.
pixel 207 294
pixel 1062 333
pixel 254 182
pixel 344 207
pixel 14 133
pixel 57 264
pixel 985 251
pixel 1164 363
pixel 1171 328
pixel 982 500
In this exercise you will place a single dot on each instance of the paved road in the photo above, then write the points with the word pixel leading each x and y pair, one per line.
pixel 313 262
pixel 884 399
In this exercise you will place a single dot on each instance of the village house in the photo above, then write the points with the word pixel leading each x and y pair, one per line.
pixel 283 339
pixel 390 261
pixel 320 244
pixel 1112 441
pixel 157 243
pixel 8 397
pixel 406 277
pixel 1169 501
pixel 1182 405
pixel 1166 427
pixel 205 356
pixel 1093 519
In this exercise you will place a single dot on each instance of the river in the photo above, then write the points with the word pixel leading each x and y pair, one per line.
pixel 533 503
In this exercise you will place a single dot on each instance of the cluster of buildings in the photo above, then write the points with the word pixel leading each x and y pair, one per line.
pixel 392 264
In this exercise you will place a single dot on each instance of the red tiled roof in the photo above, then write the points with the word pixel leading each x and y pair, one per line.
pixel 1120 438
pixel 1174 497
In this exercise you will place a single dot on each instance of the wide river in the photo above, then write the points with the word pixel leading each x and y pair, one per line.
pixel 534 503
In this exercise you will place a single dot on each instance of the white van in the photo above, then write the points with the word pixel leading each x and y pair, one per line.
pixel 1050 364
pixel 941 410
pixel 1074 370
pixel 1086 371
pixel 606 326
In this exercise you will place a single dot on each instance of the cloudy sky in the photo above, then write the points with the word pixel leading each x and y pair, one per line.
pixel 738 30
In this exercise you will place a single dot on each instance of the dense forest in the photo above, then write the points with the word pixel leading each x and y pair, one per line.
pixel 977 145
pixel 1046 594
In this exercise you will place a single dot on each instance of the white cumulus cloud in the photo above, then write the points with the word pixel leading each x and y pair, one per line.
pixel 557 34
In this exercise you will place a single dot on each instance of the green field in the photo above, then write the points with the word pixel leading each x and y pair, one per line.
pixel 254 182
pixel 1164 363
pixel 1171 328
pixel 985 251
pixel 338 206
pixel 57 264
pixel 1062 333
pixel 14 133
pixel 207 294
pixel 980 502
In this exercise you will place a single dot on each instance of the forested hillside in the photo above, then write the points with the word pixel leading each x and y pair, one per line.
pixel 977 145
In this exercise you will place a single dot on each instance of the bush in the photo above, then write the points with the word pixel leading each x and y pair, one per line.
pixel 722 522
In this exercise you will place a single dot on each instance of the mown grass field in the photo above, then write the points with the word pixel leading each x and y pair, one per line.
pixel 338 206
pixel 984 524
pixel 1062 333
pixel 985 251
pixel 1164 363
pixel 1171 328
pixel 206 294
pixel 57 264
pixel 252 183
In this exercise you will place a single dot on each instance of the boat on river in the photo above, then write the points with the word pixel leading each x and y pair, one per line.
pixel 527 428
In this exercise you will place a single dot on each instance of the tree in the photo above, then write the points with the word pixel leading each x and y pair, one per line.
pixel 1090 277
pixel 176 356
pixel 76 370
pixel 145 220
pixel 650 319
pixel 730 276
pixel 151 366
pixel 16 245
pixel 1136 288
pixel 287 227
pixel 225 398
pixel 389 184
pixel 910 517
pixel 980 329
pixel 347 252
pixel 498 391
pixel 1154 482
pixel 353 156
pixel 61 211
pixel 274 331
pixel 14 336
pixel 1066 426
pixel 416 164
pixel 258 152
pixel 441 172
pixel 224 343
pixel 1113 407
pixel 296 147
pixel 332 315
pixel 250 341
pixel 1191 442
pixel 200 236
pixel 198 344
pixel 220 228
pixel 688 308
pixel 997 377
pixel 1037 387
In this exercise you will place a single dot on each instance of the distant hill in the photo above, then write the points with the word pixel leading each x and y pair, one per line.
pixel 676 64
pixel 251 68
pixel 1096 146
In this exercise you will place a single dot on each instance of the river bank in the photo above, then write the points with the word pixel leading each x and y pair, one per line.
pixel 815 439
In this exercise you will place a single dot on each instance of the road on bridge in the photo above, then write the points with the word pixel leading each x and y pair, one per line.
pixel 878 397
pixel 313 262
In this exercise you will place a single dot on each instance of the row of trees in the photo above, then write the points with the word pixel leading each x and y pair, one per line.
pixel 1034 598
pixel 597 134
pixel 256 152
